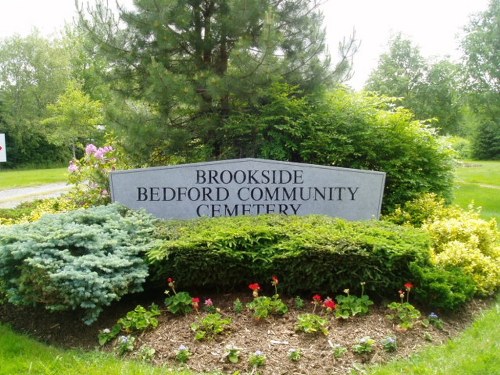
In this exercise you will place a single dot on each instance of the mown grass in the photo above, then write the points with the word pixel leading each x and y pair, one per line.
pixel 10 179
pixel 22 355
pixel 474 352
pixel 479 182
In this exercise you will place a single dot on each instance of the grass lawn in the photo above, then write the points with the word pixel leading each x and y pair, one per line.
pixel 22 355
pixel 479 182
pixel 10 179
pixel 475 352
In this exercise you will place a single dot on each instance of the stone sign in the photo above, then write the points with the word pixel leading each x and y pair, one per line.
pixel 250 187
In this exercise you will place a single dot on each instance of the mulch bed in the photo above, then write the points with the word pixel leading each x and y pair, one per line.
pixel 274 336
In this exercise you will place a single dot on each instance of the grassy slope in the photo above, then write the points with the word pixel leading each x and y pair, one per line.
pixel 12 179
pixel 479 181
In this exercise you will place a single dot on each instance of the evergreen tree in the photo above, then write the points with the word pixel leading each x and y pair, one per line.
pixel 185 66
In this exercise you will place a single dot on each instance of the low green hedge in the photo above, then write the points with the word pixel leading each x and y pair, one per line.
pixel 308 254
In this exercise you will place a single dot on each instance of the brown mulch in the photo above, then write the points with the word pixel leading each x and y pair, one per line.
pixel 274 336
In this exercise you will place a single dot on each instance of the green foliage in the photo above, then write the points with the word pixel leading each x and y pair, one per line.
pixel 365 345
pixel 299 303
pixel 314 252
pixel 74 118
pixel 238 306
pixel 460 240
pixel 264 306
pixel 140 319
pixel 125 344
pixel 83 259
pixel 294 355
pixel 339 351
pixel 404 314
pixel 182 82
pixel 389 344
pixel 443 288
pixel 311 323
pixel 257 359
pixel 351 305
pixel 210 325
pixel 183 354
pixel 33 72
pixel 180 303
pixel 233 354
pixel 108 335
pixel 486 140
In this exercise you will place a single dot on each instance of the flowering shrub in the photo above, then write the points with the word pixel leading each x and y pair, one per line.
pixel 90 176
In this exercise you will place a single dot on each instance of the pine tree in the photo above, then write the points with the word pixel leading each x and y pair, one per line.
pixel 191 63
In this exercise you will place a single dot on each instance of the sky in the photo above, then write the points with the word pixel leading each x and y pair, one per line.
pixel 433 25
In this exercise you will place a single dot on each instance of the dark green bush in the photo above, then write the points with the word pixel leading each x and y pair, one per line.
pixel 308 254
pixel 83 259
pixel 446 289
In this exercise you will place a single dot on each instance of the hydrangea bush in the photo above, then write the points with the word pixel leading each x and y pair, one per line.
pixel 83 259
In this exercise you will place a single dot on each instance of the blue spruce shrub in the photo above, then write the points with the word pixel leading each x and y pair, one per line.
pixel 83 259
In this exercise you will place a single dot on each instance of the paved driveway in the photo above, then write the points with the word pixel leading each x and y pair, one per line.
pixel 12 197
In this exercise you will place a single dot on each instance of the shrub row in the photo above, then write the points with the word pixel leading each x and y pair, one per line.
pixel 310 254
pixel 83 259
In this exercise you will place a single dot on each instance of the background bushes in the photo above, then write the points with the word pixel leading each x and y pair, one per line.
pixel 83 259
pixel 309 254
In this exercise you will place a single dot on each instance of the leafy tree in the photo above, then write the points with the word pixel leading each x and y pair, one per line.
pixel 431 91
pixel 33 71
pixel 399 71
pixel 482 59
pixel 187 65
pixel 73 117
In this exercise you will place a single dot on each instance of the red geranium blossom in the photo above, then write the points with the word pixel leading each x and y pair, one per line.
pixel 254 286
pixel 275 280
pixel 330 304
pixel 408 286
pixel 317 298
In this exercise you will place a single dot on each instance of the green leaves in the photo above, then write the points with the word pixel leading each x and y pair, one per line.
pixel 312 324
pixel 210 326
pixel 83 259
pixel 180 303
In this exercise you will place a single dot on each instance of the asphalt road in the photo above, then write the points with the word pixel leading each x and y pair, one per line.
pixel 10 198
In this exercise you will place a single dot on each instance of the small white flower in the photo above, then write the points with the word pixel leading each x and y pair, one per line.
pixel 183 347
pixel 106 331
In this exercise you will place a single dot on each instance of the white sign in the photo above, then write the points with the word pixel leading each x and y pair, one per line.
pixel 250 187
pixel 3 150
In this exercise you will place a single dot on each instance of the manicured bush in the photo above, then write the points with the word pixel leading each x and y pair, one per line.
pixel 446 289
pixel 83 259
pixel 308 254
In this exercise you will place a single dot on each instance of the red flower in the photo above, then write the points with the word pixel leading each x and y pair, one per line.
pixel 408 286
pixel 254 286
pixel 330 304
pixel 275 280
pixel 317 298
pixel 170 280
pixel 195 300
pixel 196 303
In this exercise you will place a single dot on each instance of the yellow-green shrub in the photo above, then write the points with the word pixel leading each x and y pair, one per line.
pixel 460 238
pixel 484 269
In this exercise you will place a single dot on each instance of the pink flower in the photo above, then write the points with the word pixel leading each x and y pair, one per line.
pixel 208 302
pixel 72 167
pixel 90 149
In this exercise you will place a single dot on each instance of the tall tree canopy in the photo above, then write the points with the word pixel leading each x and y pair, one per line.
pixel 185 66
pixel 481 47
